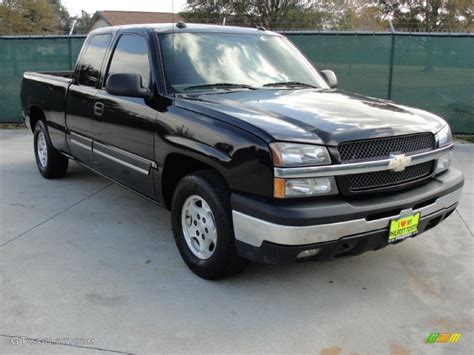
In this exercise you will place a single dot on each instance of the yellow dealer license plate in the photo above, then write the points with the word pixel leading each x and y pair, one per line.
pixel 403 227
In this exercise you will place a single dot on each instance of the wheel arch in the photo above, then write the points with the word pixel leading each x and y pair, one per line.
pixel 35 114
pixel 177 166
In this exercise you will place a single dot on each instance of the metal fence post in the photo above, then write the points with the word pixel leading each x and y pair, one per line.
pixel 392 53
pixel 70 52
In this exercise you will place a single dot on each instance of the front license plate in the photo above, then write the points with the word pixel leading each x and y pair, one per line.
pixel 403 227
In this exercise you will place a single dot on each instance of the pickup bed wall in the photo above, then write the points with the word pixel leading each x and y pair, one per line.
pixel 51 89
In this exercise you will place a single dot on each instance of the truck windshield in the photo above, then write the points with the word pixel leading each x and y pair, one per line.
pixel 219 61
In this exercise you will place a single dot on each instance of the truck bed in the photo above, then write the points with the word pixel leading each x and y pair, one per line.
pixel 63 76
pixel 47 91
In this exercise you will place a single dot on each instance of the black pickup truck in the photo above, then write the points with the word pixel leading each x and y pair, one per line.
pixel 255 152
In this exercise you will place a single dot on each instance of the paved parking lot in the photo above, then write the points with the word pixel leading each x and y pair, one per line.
pixel 83 258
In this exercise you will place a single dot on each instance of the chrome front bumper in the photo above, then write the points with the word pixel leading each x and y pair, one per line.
pixel 254 231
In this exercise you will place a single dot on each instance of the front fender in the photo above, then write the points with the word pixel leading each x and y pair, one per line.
pixel 243 159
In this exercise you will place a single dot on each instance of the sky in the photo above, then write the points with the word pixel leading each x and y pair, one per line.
pixel 91 6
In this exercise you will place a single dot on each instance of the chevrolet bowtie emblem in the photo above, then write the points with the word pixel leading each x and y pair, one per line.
pixel 399 162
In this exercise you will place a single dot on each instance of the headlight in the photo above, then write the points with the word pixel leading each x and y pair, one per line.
pixel 291 154
pixel 284 188
pixel 444 137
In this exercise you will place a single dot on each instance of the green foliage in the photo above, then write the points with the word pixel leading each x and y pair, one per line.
pixel 276 14
pixel 287 14
pixel 372 15
pixel 20 17
pixel 62 15
pixel 82 23
pixel 363 19
pixel 428 16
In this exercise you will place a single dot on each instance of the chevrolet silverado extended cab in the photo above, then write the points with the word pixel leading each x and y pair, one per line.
pixel 255 152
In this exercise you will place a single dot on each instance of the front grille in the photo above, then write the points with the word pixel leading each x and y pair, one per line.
pixel 379 179
pixel 381 148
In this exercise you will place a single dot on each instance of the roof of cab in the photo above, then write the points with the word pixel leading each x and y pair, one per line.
pixel 189 28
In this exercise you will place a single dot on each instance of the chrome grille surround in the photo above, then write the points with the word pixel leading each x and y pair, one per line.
pixel 381 148
pixel 380 179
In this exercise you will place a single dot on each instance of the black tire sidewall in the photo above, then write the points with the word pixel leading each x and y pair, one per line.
pixel 57 164
pixel 197 185
pixel 40 127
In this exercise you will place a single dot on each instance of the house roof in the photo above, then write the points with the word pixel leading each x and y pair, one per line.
pixel 119 18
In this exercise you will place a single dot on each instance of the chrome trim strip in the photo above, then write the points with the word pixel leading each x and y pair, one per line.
pixel 120 152
pixel 81 145
pixel 122 157
pixel 356 168
pixel 81 141
pixel 121 162
pixel 255 231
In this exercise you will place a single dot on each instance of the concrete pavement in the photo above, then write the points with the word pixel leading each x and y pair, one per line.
pixel 83 258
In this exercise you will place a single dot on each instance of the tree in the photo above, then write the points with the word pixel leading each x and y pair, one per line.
pixel 65 20
pixel 364 18
pixel 205 11
pixel 32 17
pixel 431 15
pixel 81 23
pixel 273 14
pixel 418 15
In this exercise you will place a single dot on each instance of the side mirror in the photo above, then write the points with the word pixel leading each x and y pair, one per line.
pixel 330 78
pixel 123 84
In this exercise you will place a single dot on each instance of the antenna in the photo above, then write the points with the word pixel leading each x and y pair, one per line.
pixel 71 31
pixel 172 25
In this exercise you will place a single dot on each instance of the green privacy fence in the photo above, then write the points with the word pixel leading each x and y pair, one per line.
pixel 429 71
pixel 434 72
pixel 20 54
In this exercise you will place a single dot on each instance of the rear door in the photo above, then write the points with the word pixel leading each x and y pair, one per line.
pixel 124 132
pixel 81 97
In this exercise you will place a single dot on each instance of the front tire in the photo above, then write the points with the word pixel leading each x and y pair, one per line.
pixel 202 226
pixel 51 164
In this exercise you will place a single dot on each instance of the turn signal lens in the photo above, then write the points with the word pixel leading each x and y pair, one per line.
pixel 279 188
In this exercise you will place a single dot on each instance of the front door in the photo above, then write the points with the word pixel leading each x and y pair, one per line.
pixel 124 130
pixel 81 98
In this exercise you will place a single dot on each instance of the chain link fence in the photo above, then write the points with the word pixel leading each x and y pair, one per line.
pixel 432 71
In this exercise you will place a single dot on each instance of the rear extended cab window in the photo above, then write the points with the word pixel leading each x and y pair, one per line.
pixel 91 61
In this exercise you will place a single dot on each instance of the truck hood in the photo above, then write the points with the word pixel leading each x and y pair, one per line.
pixel 316 116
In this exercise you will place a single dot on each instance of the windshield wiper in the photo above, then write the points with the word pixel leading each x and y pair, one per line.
pixel 220 86
pixel 289 83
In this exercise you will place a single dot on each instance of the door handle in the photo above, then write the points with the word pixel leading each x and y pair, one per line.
pixel 98 109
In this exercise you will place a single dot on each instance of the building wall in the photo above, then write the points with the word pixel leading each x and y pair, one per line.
pixel 100 23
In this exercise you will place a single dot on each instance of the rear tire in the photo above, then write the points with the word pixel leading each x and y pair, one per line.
pixel 51 164
pixel 202 226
